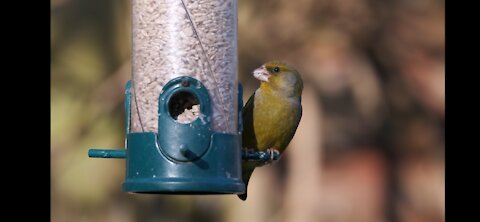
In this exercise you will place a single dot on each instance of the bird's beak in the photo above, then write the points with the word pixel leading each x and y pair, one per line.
pixel 261 74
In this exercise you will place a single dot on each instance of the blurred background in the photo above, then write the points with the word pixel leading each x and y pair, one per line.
pixel 370 146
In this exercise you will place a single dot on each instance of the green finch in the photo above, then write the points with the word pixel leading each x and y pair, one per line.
pixel 272 114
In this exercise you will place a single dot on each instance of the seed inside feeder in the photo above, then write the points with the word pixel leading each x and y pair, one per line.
pixel 196 38
pixel 189 115
pixel 184 107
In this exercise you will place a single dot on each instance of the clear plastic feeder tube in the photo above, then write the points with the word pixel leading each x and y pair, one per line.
pixel 173 38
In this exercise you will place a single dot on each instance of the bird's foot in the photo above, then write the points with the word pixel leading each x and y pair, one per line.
pixel 272 152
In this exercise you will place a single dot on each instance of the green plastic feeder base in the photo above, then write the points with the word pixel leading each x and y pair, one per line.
pixel 172 186
pixel 216 172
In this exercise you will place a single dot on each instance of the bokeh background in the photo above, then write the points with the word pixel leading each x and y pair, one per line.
pixel 370 146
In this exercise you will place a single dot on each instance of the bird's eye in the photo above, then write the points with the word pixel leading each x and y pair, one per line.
pixel 276 69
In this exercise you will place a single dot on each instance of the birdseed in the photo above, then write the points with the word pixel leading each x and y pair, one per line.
pixel 173 38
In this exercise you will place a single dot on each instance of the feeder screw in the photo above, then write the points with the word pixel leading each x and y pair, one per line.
pixel 183 149
pixel 185 83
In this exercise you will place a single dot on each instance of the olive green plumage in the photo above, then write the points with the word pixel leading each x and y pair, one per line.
pixel 272 114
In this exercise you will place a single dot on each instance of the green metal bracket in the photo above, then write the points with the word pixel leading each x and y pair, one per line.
pixel 98 153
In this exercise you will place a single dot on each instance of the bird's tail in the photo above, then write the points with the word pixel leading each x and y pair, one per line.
pixel 246 174
pixel 243 196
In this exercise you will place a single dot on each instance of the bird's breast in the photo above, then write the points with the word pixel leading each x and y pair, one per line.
pixel 274 119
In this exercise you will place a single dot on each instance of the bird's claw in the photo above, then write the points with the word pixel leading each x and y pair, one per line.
pixel 272 152
pixel 270 155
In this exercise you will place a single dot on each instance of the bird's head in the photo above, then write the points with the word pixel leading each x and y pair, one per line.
pixel 279 77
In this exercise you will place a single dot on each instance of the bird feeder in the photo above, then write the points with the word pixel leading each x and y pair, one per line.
pixel 183 128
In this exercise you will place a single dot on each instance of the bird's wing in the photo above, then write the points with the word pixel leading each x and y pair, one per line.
pixel 248 135
pixel 291 133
